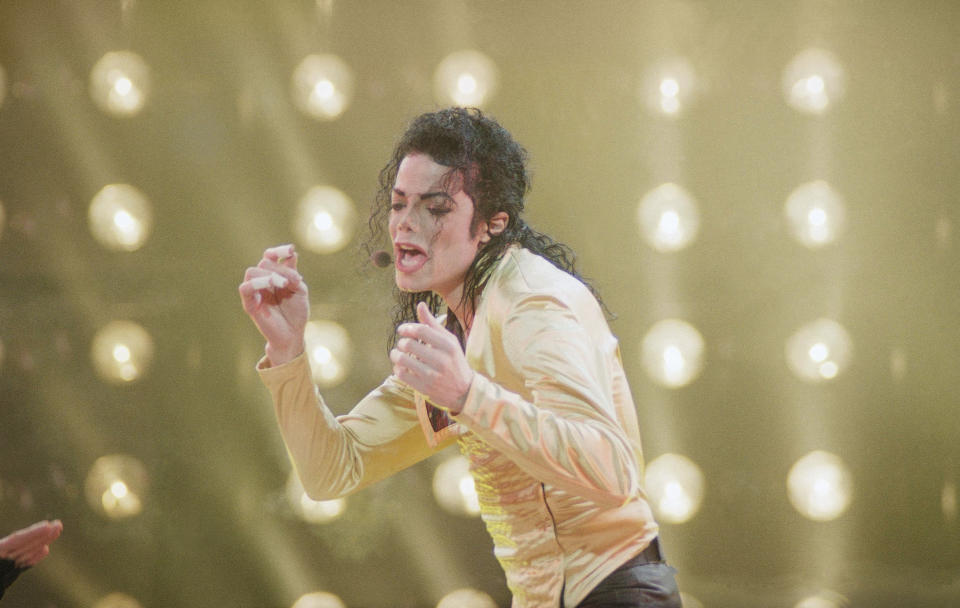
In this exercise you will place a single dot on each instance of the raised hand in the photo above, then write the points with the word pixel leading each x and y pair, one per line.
pixel 429 359
pixel 28 547
pixel 275 297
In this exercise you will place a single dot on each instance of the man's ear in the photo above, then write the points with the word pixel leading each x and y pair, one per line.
pixel 496 225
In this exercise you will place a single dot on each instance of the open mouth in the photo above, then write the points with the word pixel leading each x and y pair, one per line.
pixel 410 258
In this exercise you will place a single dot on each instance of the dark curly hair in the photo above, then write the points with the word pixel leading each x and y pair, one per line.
pixel 494 169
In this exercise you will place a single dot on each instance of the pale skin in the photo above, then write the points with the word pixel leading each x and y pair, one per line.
pixel 430 227
pixel 29 546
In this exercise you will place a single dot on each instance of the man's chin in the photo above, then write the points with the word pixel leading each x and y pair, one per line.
pixel 407 286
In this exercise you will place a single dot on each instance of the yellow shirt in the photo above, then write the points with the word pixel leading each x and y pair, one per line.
pixel 549 427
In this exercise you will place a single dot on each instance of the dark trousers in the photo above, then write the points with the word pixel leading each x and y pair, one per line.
pixel 645 581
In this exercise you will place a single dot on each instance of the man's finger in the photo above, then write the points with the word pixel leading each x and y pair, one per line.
pixel 410 363
pixel 430 355
pixel 426 317
pixel 436 337
pixel 283 254
pixel 270 281
pixel 34 557
pixel 35 532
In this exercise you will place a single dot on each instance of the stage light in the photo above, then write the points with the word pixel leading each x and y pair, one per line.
pixel 322 86
pixel 325 219
pixel 668 217
pixel 674 484
pixel 329 350
pixel 121 351
pixel 120 83
pixel 825 599
pixel 816 214
pixel 672 353
pixel 813 80
pixel 117 600
pixel 667 87
pixel 465 78
pixel 120 217
pixel 309 510
pixel 319 599
pixel 454 489
pixel 819 351
pixel 466 598
pixel 820 486
pixel 116 486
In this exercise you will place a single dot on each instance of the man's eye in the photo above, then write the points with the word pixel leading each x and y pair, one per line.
pixel 438 211
pixel 396 206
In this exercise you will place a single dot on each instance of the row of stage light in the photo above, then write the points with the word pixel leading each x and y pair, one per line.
pixel 819 484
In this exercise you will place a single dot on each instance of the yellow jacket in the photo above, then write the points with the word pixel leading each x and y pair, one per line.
pixel 548 425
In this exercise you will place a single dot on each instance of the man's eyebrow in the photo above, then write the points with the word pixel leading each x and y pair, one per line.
pixel 438 194
pixel 426 195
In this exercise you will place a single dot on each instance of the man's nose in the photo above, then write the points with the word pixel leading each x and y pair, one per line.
pixel 408 219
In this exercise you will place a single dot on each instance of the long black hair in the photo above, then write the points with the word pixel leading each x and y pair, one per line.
pixel 495 176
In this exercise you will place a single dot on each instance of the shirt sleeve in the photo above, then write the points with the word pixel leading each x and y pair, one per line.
pixel 568 435
pixel 338 455
pixel 8 573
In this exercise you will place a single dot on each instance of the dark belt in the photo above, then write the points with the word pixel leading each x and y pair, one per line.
pixel 650 555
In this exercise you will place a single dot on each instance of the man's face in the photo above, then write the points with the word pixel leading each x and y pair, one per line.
pixel 430 219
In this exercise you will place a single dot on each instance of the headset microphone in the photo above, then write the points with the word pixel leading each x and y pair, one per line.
pixel 381 259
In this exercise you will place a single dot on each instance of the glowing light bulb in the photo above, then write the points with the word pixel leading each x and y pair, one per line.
pixel 829 370
pixel 673 353
pixel 330 350
pixel 322 355
pixel 465 78
pixel 675 486
pixel 322 86
pixel 820 486
pixel 319 599
pixel 813 81
pixel 673 363
pixel 668 218
pixel 325 219
pixel 121 351
pixel 120 83
pixel 323 90
pixel 123 85
pixel 116 486
pixel 454 489
pixel 120 217
pixel 825 599
pixel 309 510
pixel 468 490
pixel 819 350
pixel 817 217
pixel 815 84
pixel 668 86
pixel 816 214
pixel 467 84
pixel 118 489
pixel 466 598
